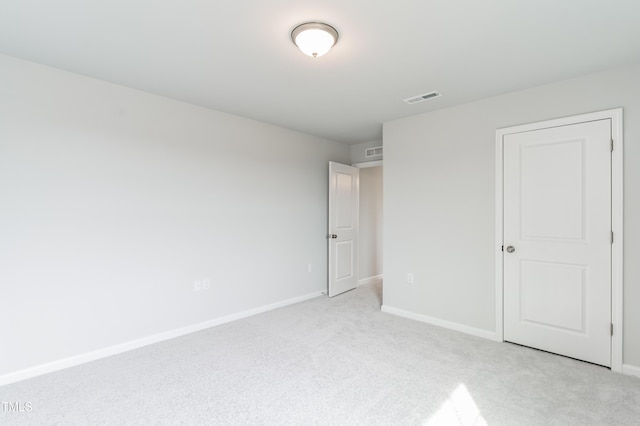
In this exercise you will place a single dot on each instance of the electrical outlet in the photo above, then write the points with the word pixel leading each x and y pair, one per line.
pixel 309 268
pixel 410 278
pixel 204 284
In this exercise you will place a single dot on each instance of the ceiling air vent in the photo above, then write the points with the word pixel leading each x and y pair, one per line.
pixel 421 98
pixel 373 152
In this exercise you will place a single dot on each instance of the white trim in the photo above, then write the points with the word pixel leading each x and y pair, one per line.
pixel 145 341
pixel 367 164
pixel 441 323
pixel 631 370
pixel 617 255
pixel 369 280
pixel 617 249
pixel 499 238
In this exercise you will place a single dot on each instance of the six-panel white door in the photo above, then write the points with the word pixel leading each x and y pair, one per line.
pixel 557 240
pixel 343 228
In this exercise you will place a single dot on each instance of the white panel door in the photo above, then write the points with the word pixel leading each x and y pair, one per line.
pixel 343 228
pixel 557 240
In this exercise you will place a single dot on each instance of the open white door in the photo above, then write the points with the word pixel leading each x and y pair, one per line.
pixel 343 228
pixel 557 240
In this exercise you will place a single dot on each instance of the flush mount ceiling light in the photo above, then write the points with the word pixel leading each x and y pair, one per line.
pixel 314 38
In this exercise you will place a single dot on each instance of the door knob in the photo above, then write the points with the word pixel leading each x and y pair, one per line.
pixel 511 249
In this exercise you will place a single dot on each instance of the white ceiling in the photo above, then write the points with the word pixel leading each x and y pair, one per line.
pixel 237 56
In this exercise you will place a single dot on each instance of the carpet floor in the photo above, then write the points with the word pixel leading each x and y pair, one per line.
pixel 336 361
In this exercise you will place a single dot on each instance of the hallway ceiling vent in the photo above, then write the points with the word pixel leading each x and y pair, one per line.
pixel 422 98
pixel 373 152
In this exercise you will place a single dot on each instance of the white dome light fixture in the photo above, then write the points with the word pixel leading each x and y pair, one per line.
pixel 314 38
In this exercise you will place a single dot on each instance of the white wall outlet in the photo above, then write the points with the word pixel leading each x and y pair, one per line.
pixel 309 268
pixel 204 284
pixel 410 277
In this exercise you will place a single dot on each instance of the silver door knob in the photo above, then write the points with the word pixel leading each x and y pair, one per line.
pixel 511 249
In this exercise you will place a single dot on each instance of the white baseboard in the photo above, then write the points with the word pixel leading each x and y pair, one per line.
pixel 145 341
pixel 442 323
pixel 370 280
pixel 631 370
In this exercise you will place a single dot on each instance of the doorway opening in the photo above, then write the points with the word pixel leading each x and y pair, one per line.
pixel 370 262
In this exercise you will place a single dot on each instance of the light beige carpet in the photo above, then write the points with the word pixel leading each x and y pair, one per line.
pixel 327 361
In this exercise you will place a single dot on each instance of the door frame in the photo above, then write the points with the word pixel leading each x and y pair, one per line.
pixel 366 165
pixel 615 115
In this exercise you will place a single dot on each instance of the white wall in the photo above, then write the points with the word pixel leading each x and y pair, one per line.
pixel 440 194
pixel 113 201
pixel 370 232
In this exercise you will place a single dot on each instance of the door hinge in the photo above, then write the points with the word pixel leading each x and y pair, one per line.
pixel 502 248
pixel 611 237
pixel 612 329
pixel 611 145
